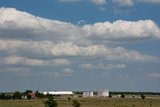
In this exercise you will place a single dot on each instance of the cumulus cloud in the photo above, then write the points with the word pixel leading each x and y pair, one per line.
pixel 124 2
pixel 46 49
pixel 120 30
pixel 87 66
pixel 69 0
pixel 18 71
pixel 154 75
pixel 16 60
pixel 102 66
pixel 68 72
pixel 22 25
pixel 30 41
pixel 99 2
pixel 150 1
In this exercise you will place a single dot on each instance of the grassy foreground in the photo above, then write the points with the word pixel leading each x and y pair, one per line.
pixel 87 102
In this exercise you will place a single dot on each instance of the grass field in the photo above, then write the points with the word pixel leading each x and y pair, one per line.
pixel 87 102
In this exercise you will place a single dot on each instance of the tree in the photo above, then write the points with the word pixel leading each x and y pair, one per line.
pixel 110 96
pixel 142 96
pixel 8 97
pixel 2 96
pixel 69 99
pixel 39 95
pixel 50 102
pixel 27 92
pixel 17 95
pixel 76 103
pixel 122 96
pixel 29 97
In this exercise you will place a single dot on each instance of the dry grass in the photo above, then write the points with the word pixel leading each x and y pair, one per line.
pixel 87 102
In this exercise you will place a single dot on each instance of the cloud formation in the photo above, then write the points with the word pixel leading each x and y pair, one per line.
pixel 22 25
pixel 103 66
pixel 28 42
pixel 99 2
pixel 47 49
pixel 149 1
pixel 154 75
pixel 124 2
pixel 24 61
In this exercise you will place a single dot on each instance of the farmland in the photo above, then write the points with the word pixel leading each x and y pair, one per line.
pixel 88 102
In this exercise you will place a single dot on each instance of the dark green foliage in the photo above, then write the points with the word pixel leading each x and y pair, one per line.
pixel 142 96
pixel 76 103
pixel 69 99
pixel 39 95
pixel 50 102
pixel 28 91
pixel 17 95
pixel 5 97
pixel 8 97
pixel 29 97
pixel 2 96
pixel 122 96
pixel 110 96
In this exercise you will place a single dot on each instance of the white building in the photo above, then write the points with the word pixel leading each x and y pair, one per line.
pixel 58 93
pixel 103 93
pixel 87 94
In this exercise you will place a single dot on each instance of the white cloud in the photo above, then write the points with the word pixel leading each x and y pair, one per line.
pixel 99 2
pixel 46 49
pixel 87 66
pixel 16 24
pixel 16 60
pixel 150 1
pixel 69 0
pixel 120 30
pixel 103 66
pixel 154 75
pixel 19 71
pixel 124 2
pixel 68 72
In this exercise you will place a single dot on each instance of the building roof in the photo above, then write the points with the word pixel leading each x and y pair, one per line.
pixel 58 92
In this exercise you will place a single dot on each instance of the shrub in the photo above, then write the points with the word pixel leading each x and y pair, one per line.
pixel 76 103
pixel 50 102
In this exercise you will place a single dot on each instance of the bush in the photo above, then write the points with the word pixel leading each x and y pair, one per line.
pixel 122 96
pixel 110 96
pixel 17 95
pixel 50 102
pixel 76 103
pixel 142 96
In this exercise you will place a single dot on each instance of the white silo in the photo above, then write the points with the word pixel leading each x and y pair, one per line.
pixel 88 94
pixel 103 93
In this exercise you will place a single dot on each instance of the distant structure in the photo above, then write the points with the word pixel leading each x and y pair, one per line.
pixel 87 94
pixel 58 93
pixel 103 93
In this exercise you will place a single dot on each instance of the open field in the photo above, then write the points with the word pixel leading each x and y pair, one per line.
pixel 87 102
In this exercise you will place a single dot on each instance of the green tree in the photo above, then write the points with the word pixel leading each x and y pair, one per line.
pixel 122 96
pixel 50 102
pixel 110 96
pixel 2 96
pixel 142 96
pixel 39 95
pixel 29 97
pixel 28 91
pixel 76 103
pixel 17 95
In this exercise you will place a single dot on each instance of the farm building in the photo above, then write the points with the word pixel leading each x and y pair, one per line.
pixel 58 93
pixel 103 93
pixel 88 94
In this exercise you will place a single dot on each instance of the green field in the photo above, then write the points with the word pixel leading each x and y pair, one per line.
pixel 87 102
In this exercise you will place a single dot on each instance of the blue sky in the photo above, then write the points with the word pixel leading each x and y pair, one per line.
pixel 80 45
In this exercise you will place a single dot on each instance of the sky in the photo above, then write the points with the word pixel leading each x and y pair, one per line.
pixel 80 45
